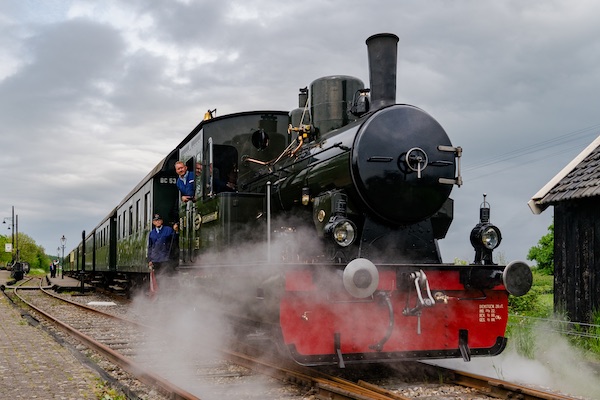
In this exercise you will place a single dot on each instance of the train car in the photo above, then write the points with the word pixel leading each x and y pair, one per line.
pixel 105 244
pixel 320 227
pixel 89 261
pixel 114 252
pixel 69 263
pixel 80 257
pixel 156 193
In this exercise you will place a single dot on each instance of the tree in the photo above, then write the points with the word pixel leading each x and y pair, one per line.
pixel 4 256
pixel 29 251
pixel 543 253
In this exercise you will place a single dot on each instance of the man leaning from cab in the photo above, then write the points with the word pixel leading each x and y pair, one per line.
pixel 185 182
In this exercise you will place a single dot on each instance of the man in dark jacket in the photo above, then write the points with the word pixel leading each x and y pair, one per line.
pixel 185 182
pixel 161 243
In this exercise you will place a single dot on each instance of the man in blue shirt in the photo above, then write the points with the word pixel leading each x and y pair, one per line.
pixel 161 243
pixel 185 182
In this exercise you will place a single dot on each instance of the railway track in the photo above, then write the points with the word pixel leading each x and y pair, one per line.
pixel 142 350
pixel 106 334
pixel 150 353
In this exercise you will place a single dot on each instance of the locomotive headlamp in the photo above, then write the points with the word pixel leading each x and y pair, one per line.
pixel 490 237
pixel 485 237
pixel 334 224
pixel 305 196
pixel 342 230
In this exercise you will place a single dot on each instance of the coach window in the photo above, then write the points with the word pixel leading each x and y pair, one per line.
pixel 191 166
pixel 198 169
pixel 225 168
pixel 147 216
pixel 138 216
pixel 207 171
pixel 124 224
pixel 131 220
pixel 221 172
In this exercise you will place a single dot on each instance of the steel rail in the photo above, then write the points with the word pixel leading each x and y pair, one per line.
pixel 503 389
pixel 326 386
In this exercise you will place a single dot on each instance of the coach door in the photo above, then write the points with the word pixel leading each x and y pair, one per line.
pixel 188 214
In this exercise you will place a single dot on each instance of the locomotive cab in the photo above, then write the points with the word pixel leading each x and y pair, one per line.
pixel 226 198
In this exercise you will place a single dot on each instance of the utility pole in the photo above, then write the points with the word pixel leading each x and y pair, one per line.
pixel 12 233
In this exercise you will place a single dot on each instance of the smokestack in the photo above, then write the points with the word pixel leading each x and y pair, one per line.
pixel 383 55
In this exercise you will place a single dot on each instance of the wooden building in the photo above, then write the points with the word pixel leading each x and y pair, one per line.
pixel 575 194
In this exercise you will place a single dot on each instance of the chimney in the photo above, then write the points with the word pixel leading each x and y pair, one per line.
pixel 383 55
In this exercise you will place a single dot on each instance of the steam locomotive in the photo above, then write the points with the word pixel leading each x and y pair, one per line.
pixel 329 241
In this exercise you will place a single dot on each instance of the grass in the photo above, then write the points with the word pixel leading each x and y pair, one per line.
pixel 37 272
pixel 104 392
pixel 587 337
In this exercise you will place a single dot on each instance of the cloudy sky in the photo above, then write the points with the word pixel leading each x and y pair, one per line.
pixel 94 93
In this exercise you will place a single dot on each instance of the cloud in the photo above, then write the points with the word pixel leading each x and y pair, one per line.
pixel 93 95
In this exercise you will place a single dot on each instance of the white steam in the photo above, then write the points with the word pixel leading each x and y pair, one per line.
pixel 556 365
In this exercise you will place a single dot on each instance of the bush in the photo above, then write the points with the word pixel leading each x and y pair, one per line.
pixel 525 304
pixel 535 303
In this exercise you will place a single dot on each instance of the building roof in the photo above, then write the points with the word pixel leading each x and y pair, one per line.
pixel 579 179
